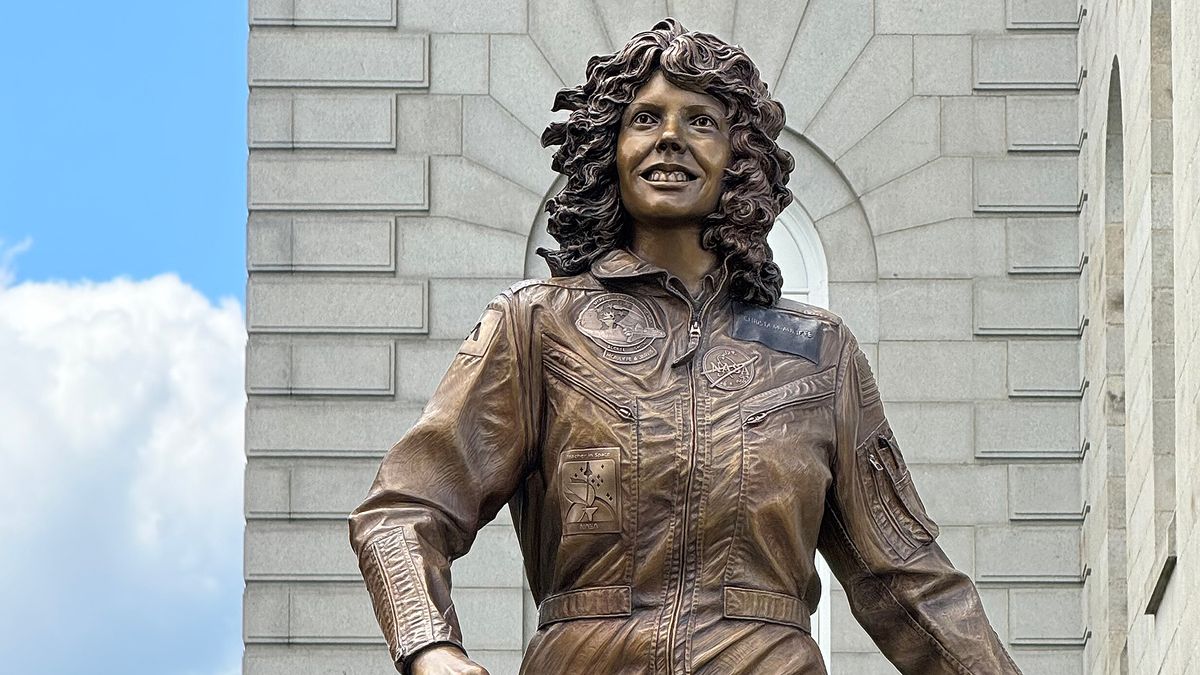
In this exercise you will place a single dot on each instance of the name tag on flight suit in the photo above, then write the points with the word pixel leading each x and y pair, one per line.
pixel 779 330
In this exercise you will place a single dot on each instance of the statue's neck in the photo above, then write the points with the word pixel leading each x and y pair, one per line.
pixel 675 249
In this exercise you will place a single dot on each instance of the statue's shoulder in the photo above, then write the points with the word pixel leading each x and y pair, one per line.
pixel 528 289
pixel 807 310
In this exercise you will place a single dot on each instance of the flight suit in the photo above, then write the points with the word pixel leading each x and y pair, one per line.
pixel 671 465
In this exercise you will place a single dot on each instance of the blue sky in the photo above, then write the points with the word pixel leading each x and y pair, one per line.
pixel 122 216
pixel 123 128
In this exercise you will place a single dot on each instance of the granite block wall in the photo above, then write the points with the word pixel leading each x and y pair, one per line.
pixel 982 206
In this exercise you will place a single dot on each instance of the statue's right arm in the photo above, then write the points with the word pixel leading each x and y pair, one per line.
pixel 444 480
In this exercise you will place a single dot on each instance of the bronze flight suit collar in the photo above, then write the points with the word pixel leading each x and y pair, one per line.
pixel 623 264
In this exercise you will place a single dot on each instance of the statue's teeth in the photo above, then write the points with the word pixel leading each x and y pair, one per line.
pixel 668 176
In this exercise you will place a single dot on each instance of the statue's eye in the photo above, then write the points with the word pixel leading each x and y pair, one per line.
pixel 705 121
pixel 643 118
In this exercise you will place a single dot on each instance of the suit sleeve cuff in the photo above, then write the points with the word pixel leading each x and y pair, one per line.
pixel 405 661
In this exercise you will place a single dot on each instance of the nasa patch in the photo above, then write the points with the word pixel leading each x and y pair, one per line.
pixel 728 368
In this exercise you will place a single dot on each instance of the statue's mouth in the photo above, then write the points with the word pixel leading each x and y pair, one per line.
pixel 668 173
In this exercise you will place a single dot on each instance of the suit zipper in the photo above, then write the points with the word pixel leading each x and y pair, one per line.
pixel 694 334
pixel 673 626
pixel 693 341
pixel 624 412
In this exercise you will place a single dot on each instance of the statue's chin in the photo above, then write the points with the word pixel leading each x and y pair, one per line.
pixel 663 219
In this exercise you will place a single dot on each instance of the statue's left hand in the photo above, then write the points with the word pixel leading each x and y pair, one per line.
pixel 444 659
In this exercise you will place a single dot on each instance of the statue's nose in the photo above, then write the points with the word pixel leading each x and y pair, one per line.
pixel 669 138
pixel 669 142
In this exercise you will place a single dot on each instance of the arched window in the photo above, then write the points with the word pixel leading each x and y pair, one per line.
pixel 1105 533
pixel 799 254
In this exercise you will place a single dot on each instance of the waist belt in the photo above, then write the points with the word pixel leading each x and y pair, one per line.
pixel 616 601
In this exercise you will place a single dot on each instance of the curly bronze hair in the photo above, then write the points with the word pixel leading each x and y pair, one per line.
pixel 586 216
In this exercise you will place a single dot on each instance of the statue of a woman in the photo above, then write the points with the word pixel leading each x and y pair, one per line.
pixel 675 442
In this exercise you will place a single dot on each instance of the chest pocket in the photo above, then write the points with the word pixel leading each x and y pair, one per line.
pixel 809 388
pixel 896 510
pixel 786 437
pixel 570 370
pixel 589 463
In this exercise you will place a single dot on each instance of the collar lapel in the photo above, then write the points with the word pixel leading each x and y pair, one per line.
pixel 620 263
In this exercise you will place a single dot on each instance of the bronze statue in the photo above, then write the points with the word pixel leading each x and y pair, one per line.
pixel 675 442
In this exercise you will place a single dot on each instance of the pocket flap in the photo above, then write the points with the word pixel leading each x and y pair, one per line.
pixel 569 367
pixel 809 387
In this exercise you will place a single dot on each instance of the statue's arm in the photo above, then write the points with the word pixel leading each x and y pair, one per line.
pixel 445 479
pixel 925 615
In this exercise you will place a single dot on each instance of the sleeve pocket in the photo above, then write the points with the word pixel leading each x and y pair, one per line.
pixel 899 516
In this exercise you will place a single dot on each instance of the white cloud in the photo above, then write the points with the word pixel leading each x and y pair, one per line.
pixel 7 256
pixel 101 373
pixel 121 449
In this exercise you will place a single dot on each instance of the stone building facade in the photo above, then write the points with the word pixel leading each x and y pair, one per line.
pixel 999 196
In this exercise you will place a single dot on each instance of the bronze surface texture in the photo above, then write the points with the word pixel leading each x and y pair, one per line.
pixel 674 440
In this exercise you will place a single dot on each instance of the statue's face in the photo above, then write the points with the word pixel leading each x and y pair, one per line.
pixel 672 151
